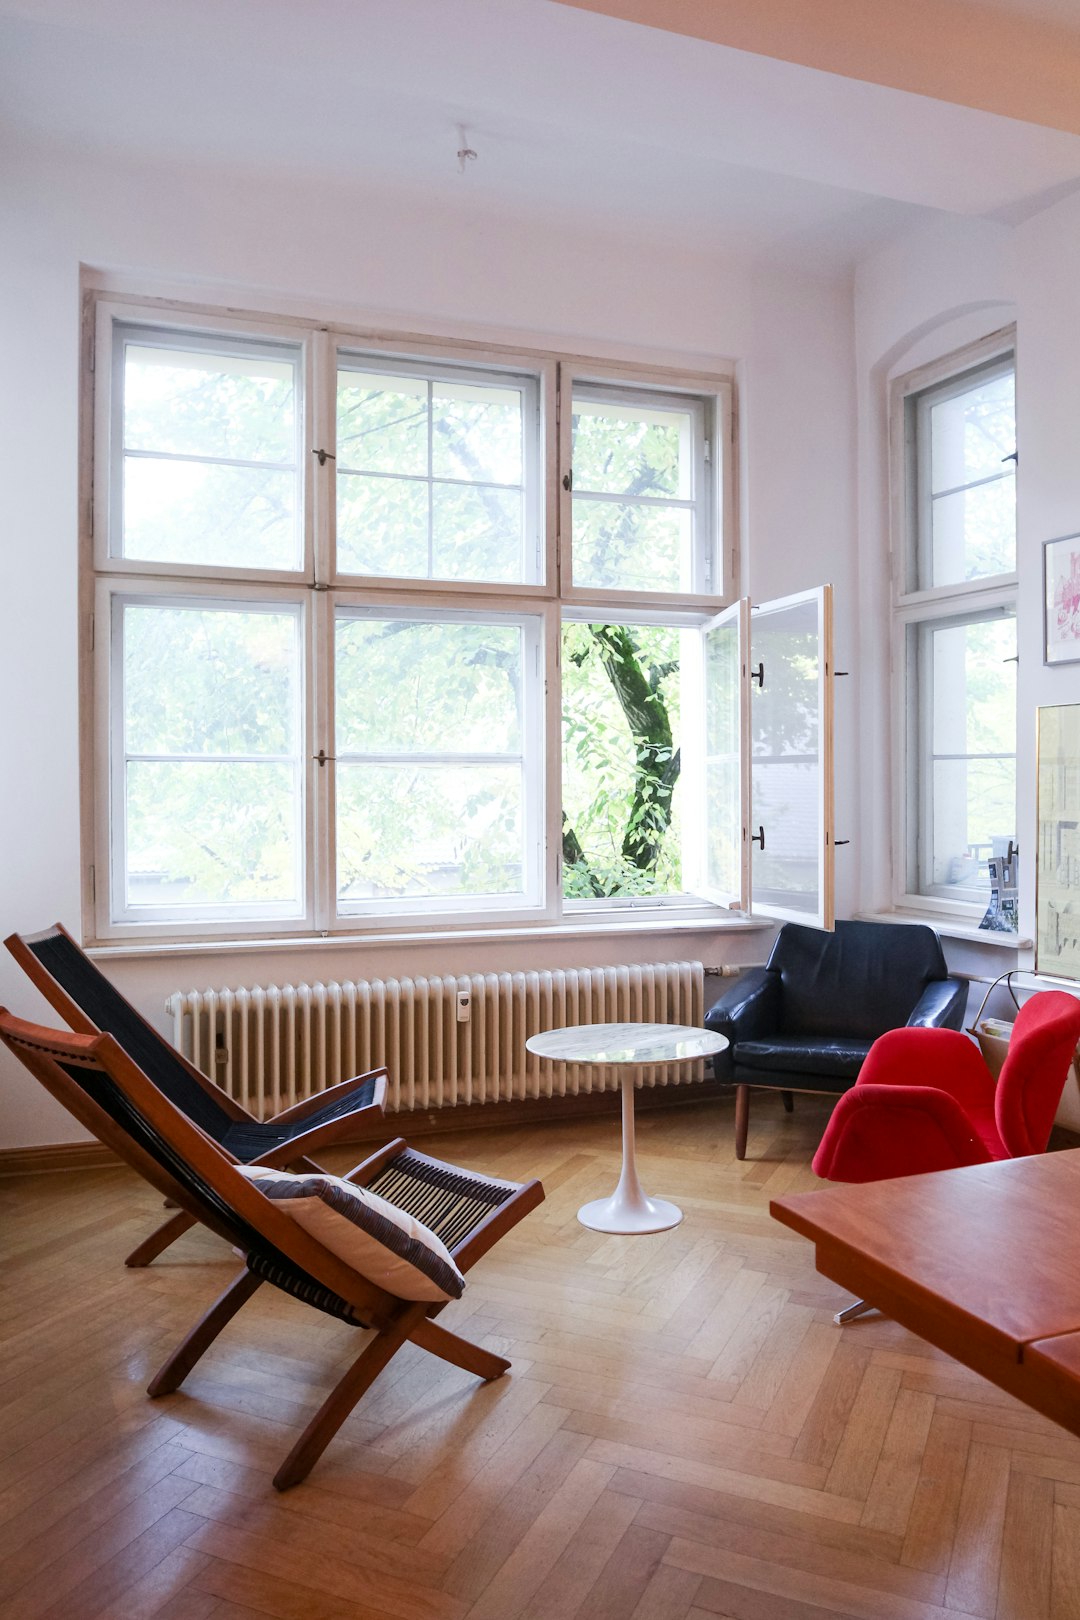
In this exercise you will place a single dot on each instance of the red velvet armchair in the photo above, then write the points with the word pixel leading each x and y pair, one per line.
pixel 925 1100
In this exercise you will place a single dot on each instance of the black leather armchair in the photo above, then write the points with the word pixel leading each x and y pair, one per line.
pixel 806 1020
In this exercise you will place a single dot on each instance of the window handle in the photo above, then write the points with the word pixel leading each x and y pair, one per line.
pixel 323 758
pixel 758 837
pixel 1012 852
pixel 1012 456
pixel 568 480
pixel 759 676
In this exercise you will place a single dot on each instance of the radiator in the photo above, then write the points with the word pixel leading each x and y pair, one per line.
pixel 272 1046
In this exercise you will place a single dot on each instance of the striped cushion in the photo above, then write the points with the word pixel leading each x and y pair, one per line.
pixel 384 1244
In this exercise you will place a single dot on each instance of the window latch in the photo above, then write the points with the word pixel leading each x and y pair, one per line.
pixel 323 758
pixel 758 837
pixel 568 480
pixel 324 456
pixel 1012 456
pixel 759 676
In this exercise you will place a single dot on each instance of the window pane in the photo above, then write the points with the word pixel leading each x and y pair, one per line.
pixel 618 545
pixel 428 687
pixel 210 834
pixel 967 489
pixel 210 458
pixel 476 433
pixel 974 532
pixel 476 532
pixel 971 432
pixel 223 407
pixel 621 760
pixel 382 526
pixel 971 687
pixel 409 830
pixel 213 802
pixel 632 449
pixel 210 680
pixel 452 501
pixel 382 423
pixel 196 512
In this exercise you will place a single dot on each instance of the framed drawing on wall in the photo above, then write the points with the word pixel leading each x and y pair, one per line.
pixel 1061 599
pixel 1057 867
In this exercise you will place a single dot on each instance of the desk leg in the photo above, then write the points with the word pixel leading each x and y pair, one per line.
pixel 629 1209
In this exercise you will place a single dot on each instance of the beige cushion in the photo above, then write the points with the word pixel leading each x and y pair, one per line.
pixel 380 1241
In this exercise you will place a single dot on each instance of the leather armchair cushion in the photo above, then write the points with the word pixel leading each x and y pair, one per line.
pixel 799 1061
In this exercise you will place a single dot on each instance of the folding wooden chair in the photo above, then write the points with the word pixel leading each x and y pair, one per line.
pixel 108 1093
pixel 86 1000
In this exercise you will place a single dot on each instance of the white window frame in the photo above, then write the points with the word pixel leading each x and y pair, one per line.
pixel 540 603
pixel 913 605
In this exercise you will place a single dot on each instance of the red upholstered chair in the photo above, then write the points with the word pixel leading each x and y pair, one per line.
pixel 925 1100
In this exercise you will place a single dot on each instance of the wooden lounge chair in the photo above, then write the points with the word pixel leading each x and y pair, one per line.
pixel 108 1093
pixel 91 1005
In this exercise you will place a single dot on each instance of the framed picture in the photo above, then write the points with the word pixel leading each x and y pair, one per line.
pixel 1061 599
pixel 1057 865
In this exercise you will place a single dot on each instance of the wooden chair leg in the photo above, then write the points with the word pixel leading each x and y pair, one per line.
pixel 441 1342
pixel 341 1400
pixel 788 1101
pixel 203 1334
pixel 159 1240
pixel 742 1119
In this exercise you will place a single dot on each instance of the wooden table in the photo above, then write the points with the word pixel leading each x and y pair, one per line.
pixel 983 1262
pixel 629 1209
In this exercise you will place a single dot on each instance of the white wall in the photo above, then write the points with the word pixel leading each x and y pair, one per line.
pixel 413 263
pixel 926 295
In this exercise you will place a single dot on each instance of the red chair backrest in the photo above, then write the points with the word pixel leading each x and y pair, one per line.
pixel 1033 1077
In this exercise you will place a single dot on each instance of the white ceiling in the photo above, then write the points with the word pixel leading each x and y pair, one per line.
pixel 574 116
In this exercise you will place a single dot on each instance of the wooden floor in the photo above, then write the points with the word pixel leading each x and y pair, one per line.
pixel 685 1433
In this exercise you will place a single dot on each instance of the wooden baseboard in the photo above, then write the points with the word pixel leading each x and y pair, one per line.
pixel 421 1122
pixel 32 1161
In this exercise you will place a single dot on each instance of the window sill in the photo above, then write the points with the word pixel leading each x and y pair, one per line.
pixel 609 928
pixel 952 928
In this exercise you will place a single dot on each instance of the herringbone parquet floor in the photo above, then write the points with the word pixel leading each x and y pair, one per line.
pixel 685 1434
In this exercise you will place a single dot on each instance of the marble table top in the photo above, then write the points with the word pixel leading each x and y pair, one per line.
pixel 626 1043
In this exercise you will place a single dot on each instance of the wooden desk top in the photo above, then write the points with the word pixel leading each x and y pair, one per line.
pixel 980 1261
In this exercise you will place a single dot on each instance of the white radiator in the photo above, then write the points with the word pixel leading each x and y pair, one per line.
pixel 272 1046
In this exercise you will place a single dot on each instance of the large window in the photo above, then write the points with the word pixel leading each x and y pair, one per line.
pixel 390 633
pixel 954 441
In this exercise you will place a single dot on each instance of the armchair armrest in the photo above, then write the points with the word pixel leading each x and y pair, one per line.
pixel 320 1099
pixel 880 1131
pixel 942 1005
pixel 749 1009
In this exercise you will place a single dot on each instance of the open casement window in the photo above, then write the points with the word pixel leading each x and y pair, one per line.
pixel 768 790
pixel 397 631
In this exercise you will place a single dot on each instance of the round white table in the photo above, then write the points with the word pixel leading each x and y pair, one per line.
pixel 629 1209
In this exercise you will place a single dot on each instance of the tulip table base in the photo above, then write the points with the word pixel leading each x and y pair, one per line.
pixel 629 1210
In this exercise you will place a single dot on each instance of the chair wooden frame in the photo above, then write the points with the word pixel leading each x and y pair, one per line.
pixel 291 1154
pixel 396 1321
